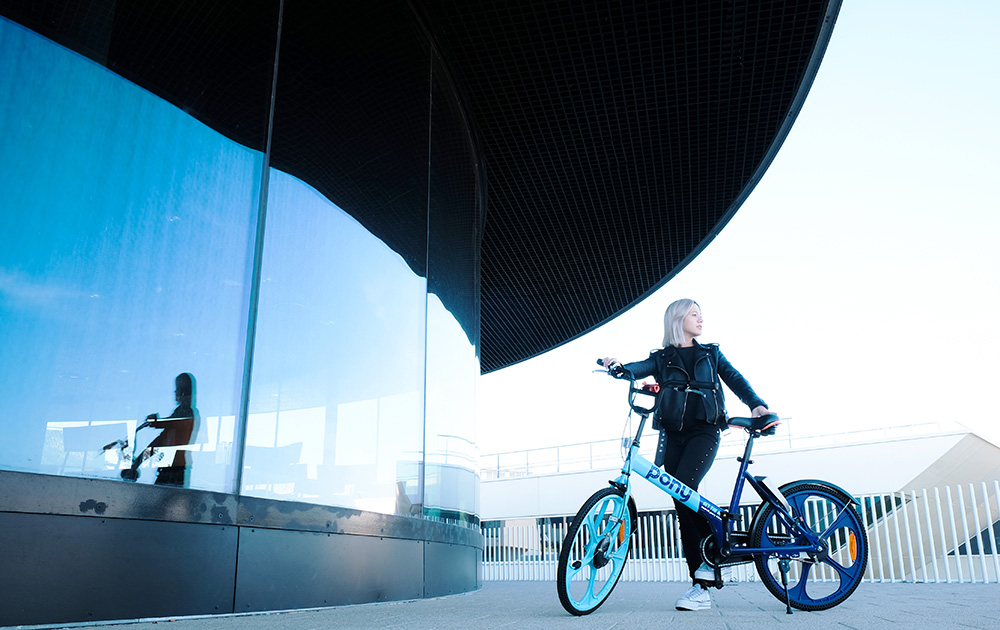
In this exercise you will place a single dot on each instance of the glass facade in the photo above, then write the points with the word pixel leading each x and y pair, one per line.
pixel 341 373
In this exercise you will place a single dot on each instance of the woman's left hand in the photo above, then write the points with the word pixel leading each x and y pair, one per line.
pixel 760 410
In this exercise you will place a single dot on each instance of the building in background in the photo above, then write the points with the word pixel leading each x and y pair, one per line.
pixel 296 233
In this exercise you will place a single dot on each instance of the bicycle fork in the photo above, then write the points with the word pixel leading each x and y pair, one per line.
pixel 616 520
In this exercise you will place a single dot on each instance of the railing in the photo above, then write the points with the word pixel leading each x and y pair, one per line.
pixel 608 453
pixel 944 534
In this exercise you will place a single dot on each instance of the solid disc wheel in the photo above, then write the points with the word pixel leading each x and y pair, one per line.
pixel 594 551
pixel 820 580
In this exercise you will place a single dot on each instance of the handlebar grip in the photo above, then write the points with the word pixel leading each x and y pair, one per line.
pixel 616 369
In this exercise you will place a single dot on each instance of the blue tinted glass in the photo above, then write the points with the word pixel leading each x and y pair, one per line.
pixel 126 245
pixel 336 406
pixel 452 460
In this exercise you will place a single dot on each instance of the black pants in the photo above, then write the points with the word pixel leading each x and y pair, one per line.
pixel 687 455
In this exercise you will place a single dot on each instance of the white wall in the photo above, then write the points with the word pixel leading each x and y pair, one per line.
pixel 872 467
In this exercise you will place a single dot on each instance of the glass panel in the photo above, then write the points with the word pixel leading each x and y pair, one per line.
pixel 337 392
pixel 452 479
pixel 336 406
pixel 125 262
pixel 351 115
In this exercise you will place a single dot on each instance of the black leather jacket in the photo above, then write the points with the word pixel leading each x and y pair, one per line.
pixel 678 389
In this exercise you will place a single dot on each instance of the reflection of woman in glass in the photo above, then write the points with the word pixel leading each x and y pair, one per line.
pixel 178 429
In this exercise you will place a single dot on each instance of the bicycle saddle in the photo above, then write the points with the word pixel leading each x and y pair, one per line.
pixel 766 424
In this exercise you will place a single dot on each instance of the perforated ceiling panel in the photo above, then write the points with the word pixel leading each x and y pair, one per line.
pixel 618 138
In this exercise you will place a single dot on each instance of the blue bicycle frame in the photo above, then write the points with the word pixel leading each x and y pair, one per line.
pixel 722 522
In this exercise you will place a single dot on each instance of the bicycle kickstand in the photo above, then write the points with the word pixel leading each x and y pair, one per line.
pixel 783 565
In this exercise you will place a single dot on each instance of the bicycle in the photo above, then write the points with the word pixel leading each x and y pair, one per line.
pixel 811 523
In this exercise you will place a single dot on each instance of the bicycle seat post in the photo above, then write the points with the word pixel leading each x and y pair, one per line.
pixel 747 448
pixel 745 462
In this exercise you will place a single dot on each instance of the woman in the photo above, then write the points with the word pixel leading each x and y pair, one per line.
pixel 690 416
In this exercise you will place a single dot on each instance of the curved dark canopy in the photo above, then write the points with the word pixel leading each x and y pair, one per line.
pixel 616 138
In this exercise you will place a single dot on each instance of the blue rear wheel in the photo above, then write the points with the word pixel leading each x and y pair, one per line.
pixel 816 580
pixel 595 550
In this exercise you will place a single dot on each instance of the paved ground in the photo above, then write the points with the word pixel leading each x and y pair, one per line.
pixel 531 605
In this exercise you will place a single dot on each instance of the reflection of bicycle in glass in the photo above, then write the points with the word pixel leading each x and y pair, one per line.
pixel 148 454
pixel 125 452
pixel 807 541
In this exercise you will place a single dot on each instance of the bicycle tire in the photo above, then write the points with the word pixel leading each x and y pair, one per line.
pixel 830 512
pixel 589 569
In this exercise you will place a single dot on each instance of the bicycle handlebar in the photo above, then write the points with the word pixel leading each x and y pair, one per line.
pixel 617 370
pixel 763 425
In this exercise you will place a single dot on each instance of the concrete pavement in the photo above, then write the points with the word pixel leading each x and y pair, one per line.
pixel 535 605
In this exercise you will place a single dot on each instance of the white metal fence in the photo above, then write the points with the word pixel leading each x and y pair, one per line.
pixel 938 535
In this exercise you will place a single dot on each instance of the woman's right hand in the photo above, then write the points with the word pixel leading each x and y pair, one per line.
pixel 608 363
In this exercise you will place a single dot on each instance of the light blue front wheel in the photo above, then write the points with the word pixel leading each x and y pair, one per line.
pixel 595 550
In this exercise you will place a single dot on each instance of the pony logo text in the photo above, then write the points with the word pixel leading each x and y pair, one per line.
pixel 669 482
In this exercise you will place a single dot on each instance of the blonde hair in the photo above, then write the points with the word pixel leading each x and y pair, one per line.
pixel 673 321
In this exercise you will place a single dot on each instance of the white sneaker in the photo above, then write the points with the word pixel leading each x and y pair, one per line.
pixel 705 573
pixel 697 598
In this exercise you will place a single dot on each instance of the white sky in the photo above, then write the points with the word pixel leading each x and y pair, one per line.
pixel 858 285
